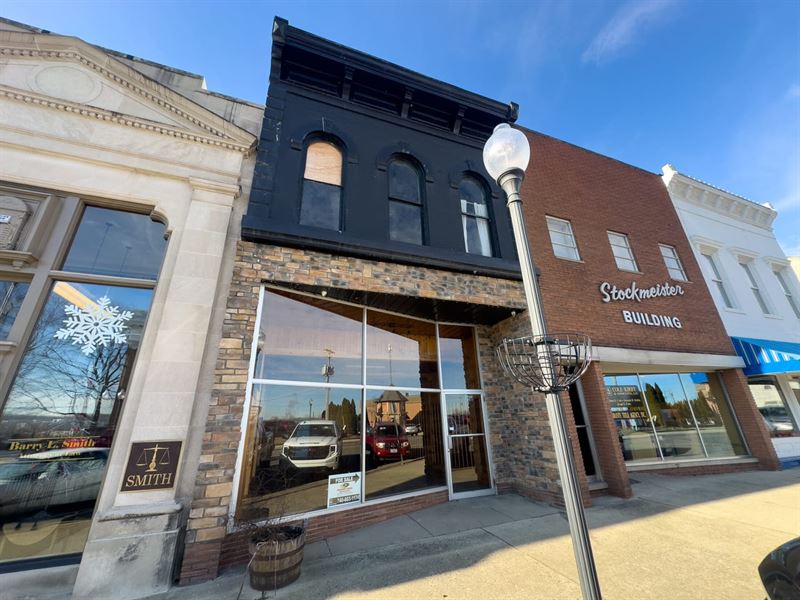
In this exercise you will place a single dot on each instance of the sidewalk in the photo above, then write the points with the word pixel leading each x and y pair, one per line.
pixel 680 537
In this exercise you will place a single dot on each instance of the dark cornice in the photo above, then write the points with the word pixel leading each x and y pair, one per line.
pixel 284 34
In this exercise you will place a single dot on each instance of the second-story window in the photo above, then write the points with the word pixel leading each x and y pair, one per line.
pixel 405 202
pixel 561 238
pixel 783 280
pixel 716 277
pixel 623 254
pixel 321 205
pixel 673 263
pixel 475 217
pixel 751 279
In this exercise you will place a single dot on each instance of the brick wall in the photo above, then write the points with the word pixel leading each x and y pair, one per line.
pixel 235 550
pixel 519 429
pixel 599 194
pixel 520 434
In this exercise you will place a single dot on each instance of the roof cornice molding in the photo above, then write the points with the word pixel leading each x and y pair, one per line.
pixel 207 125
pixel 127 120
pixel 699 193
pixel 285 34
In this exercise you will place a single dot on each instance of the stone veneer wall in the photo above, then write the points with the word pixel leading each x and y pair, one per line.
pixel 519 431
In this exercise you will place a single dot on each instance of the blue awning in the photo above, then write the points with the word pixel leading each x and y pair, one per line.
pixel 763 357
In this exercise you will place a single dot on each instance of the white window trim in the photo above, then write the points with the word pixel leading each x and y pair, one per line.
pixel 713 252
pixel 628 247
pixel 677 257
pixel 749 260
pixel 787 285
pixel 553 244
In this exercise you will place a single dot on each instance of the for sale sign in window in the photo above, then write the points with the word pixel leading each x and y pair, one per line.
pixel 344 489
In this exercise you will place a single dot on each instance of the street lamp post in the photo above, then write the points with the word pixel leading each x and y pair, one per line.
pixel 547 363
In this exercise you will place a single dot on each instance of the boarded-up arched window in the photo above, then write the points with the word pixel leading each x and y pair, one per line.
pixel 322 187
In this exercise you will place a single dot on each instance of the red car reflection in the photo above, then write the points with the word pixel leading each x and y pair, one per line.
pixel 387 441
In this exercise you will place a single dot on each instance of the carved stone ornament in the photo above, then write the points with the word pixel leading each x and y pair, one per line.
pixel 14 214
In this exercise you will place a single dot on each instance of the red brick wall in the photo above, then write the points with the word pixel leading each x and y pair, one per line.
pixel 597 194
pixel 234 546
pixel 750 420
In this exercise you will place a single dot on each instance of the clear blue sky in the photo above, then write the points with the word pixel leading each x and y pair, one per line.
pixel 712 87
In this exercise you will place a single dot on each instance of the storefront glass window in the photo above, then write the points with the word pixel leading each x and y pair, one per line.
pixel 59 419
pixel 116 243
pixel 401 351
pixel 330 424
pixel 459 358
pixel 714 417
pixel 403 442
pixel 634 428
pixel 772 407
pixel 298 437
pixel 12 293
pixel 671 416
pixel 304 338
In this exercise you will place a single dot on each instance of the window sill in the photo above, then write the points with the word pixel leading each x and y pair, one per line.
pixel 771 316
pixel 7 346
pixel 735 311
pixel 629 271
pixel 685 464
pixel 17 259
pixel 572 260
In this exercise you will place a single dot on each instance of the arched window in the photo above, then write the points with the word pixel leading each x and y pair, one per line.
pixel 475 216
pixel 321 205
pixel 405 202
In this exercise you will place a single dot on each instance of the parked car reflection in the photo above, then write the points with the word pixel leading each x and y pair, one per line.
pixel 53 479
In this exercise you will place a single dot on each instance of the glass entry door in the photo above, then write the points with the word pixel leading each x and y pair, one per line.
pixel 468 470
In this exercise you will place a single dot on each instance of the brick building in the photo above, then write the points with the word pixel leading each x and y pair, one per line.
pixel 375 276
pixel 665 390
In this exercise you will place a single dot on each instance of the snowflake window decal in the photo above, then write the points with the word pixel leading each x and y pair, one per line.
pixel 95 325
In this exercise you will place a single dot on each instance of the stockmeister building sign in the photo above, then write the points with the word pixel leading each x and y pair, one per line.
pixel 611 293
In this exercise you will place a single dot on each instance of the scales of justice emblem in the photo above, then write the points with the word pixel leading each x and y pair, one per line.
pixel 155 459
pixel 151 466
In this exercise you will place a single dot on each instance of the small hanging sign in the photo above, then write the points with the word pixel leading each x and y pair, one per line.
pixel 151 466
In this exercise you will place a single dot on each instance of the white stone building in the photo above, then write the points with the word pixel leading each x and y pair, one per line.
pixel 757 294
pixel 120 195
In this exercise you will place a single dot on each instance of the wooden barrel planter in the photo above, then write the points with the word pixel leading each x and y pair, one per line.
pixel 276 561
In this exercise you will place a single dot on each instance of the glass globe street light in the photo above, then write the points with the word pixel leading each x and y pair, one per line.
pixel 547 363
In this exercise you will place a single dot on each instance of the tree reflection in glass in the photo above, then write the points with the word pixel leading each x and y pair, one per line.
pixel 672 416
pixel 60 415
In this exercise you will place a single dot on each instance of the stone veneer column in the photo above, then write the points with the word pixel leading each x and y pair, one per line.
pixel 604 432
pixel 750 419
pixel 208 517
pixel 134 536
